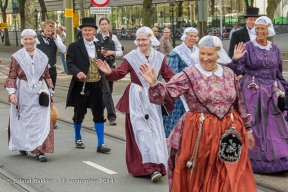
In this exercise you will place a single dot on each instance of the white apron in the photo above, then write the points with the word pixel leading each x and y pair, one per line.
pixel 32 128
pixel 149 134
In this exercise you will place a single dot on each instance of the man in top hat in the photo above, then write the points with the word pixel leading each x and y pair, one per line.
pixel 85 90
pixel 247 33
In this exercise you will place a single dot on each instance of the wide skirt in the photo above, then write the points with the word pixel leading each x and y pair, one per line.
pixel 210 173
pixel 270 129
pixel 170 122
pixel 134 162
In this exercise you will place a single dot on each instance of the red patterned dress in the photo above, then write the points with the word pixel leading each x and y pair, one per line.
pixel 216 95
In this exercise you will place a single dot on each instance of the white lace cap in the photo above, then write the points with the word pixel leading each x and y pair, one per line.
pixel 150 35
pixel 215 42
pixel 187 31
pixel 264 20
pixel 29 32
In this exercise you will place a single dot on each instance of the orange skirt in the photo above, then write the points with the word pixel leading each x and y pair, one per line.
pixel 210 173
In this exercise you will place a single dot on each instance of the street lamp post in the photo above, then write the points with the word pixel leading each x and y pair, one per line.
pixel 15 18
pixel 36 19
pixel 172 4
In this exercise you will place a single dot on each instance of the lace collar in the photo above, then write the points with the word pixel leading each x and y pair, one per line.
pixel 218 72
pixel 267 47
pixel 189 56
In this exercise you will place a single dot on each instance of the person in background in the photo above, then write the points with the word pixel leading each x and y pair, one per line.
pixel 31 129
pixel 155 32
pixel 146 149
pixel 262 87
pixel 2 35
pixel 42 26
pixel 165 46
pixel 110 48
pixel 79 35
pixel 62 34
pixel 184 55
pixel 235 27
pixel 247 33
pixel 85 90
pixel 213 95
pixel 49 43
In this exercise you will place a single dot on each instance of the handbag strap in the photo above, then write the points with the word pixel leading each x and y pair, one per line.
pixel 196 146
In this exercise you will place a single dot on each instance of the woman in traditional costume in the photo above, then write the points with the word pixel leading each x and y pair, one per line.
pixel 262 88
pixel 197 161
pixel 30 128
pixel 165 46
pixel 146 149
pixel 184 55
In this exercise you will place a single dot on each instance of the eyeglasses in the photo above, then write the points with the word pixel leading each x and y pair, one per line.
pixel 166 32
pixel 156 31
pixel 143 40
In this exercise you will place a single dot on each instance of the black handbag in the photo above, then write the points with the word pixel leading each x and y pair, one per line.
pixel 43 96
pixel 44 99
pixel 230 145
pixel 280 96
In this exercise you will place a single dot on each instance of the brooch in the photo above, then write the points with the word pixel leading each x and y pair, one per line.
pixel 149 34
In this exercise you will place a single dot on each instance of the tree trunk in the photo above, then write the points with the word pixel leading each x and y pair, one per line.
pixel 22 13
pixel 270 10
pixel 201 26
pixel 179 14
pixel 29 14
pixel 3 11
pixel 249 4
pixel 147 12
pixel 43 10
pixel 81 5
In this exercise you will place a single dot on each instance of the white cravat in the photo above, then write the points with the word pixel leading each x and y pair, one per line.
pixel 90 47
pixel 251 33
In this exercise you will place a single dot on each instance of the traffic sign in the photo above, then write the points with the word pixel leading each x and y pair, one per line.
pixel 100 10
pixel 100 3
pixel 3 25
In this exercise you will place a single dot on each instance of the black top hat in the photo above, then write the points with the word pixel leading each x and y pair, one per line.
pixel 252 12
pixel 88 21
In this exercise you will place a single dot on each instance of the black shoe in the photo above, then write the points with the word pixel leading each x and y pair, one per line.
pixel 103 149
pixel 68 73
pixel 79 144
pixel 41 157
pixel 112 122
pixel 156 176
pixel 55 127
pixel 23 152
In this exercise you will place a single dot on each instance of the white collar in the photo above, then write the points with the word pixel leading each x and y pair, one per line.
pixel 218 72
pixel 90 42
pixel 267 47
pixel 251 30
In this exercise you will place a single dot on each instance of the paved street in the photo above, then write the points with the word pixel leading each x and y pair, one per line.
pixel 91 169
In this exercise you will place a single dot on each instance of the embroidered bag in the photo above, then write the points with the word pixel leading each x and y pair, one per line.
pixel 230 145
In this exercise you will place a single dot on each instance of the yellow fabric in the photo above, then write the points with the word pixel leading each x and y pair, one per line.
pixel 93 72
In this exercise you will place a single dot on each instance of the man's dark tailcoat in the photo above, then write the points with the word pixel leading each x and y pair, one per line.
pixel 77 60
pixel 237 37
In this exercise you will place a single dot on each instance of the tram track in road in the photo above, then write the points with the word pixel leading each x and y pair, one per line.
pixel 20 184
